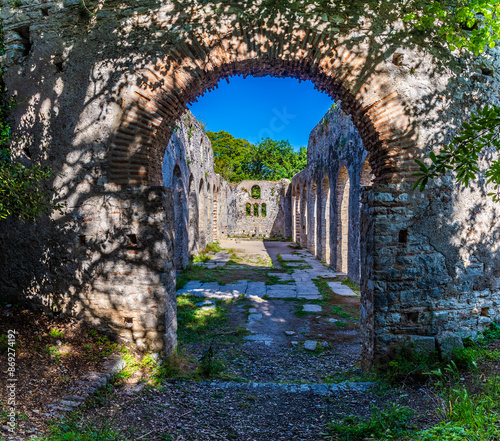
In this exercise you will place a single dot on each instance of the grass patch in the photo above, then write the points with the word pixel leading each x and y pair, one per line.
pixel 202 325
pixel 56 333
pixel 213 247
pixel 419 367
pixel 353 285
pixel 392 422
pixel 74 428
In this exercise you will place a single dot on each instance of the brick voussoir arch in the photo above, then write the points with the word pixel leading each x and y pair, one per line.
pixel 191 68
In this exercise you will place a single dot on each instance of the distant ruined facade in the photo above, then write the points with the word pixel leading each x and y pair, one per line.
pixel 102 100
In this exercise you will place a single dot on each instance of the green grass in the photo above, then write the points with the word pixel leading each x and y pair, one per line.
pixel 213 247
pixel 419 367
pixel 468 417
pixel 73 428
pixel 353 285
pixel 199 325
pixel 202 258
pixel 194 272
pixel 56 333
pixel 391 422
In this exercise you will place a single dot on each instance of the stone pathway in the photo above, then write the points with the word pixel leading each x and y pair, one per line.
pixel 271 310
pixel 298 285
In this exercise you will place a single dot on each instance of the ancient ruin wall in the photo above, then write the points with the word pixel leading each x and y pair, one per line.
pixel 337 163
pixel 188 169
pixel 100 96
pixel 266 215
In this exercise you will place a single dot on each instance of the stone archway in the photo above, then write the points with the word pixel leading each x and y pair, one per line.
pixel 343 204
pixel 312 209
pixel 304 216
pixel 109 130
pixel 181 259
pixel 193 219
pixel 325 221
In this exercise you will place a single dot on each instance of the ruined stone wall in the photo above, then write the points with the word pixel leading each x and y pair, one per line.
pixel 188 169
pixel 108 259
pixel 331 184
pixel 100 96
pixel 266 215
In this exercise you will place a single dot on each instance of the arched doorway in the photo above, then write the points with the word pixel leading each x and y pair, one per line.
pixel 312 208
pixel 303 217
pixel 181 259
pixel 193 216
pixel 325 221
pixel 202 221
pixel 343 187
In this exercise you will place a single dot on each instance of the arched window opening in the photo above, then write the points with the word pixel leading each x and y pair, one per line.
pixel 255 192
pixel 263 210
pixel 256 210
pixel 248 209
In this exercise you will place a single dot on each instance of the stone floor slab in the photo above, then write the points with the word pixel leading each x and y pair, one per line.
pixel 254 317
pixel 341 290
pixel 240 286
pixel 309 296
pixel 211 285
pixel 282 276
pixel 312 308
pixel 256 289
pixel 193 284
pixel 276 294
pixel 291 257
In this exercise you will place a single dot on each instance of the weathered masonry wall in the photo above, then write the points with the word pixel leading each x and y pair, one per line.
pixel 326 195
pixel 100 96
pixel 259 209
pixel 198 192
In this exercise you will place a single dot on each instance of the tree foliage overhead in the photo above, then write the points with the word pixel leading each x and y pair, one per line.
pixel 237 160
pixel 463 153
pixel 473 26
pixel 274 160
pixel 230 155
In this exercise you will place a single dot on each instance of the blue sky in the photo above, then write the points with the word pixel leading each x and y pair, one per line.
pixel 255 108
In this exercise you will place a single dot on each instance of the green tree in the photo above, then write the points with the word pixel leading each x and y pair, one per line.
pixel 230 155
pixel 274 160
pixel 471 26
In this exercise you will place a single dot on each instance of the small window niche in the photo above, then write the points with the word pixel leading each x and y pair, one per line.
pixel 132 240
pixel 263 210
pixel 24 38
pixel 256 210
pixel 255 192
pixel 403 236
pixel 248 209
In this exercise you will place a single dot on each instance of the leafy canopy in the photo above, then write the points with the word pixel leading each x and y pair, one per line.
pixel 472 26
pixel 237 160
pixel 463 153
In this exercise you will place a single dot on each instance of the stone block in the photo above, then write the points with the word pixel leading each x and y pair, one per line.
pixel 447 342
pixel 310 345
pixel 422 345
